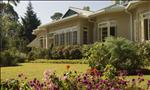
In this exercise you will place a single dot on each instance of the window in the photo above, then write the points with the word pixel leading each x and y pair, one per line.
pixel 50 35
pixel 62 39
pixel 70 37
pixel 74 37
pixel 112 31
pixel 104 33
pixel 84 37
pixel 67 38
pixel 56 39
pixel 106 29
pixel 146 22
pixel 41 42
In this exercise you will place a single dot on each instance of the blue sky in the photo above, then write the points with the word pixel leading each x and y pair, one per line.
pixel 45 9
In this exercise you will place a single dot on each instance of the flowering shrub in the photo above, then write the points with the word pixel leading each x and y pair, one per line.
pixel 92 79
pixel 119 52
pixel 144 52
pixel 11 57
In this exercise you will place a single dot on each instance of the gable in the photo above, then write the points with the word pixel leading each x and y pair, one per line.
pixel 69 13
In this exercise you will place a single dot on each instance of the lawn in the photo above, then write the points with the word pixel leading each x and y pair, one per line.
pixel 32 70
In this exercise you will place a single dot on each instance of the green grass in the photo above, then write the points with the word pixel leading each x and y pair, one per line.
pixel 32 70
pixel 61 61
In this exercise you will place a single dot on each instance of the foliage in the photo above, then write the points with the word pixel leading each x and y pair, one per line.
pixel 15 2
pixel 37 53
pixel 72 80
pixel 76 53
pixel 62 61
pixel 10 29
pixel 87 8
pixel 61 52
pixel 67 52
pixel 85 49
pixel 144 52
pixel 9 10
pixel 119 52
pixel 109 72
pixel 11 36
pixel 56 16
pixel 11 57
pixel 29 22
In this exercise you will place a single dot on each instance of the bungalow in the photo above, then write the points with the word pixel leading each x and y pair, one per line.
pixel 130 20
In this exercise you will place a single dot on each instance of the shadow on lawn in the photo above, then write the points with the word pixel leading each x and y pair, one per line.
pixel 137 71
pixel 12 65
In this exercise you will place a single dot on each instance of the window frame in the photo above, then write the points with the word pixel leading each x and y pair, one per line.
pixel 145 16
pixel 74 37
pixel 108 25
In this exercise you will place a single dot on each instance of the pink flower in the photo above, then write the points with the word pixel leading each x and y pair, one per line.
pixel 64 78
pixel 148 83
pixel 47 74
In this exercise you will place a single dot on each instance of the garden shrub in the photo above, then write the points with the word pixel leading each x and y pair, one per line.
pixel 67 52
pixel 11 57
pixel 85 49
pixel 57 52
pixel 144 52
pixel 39 53
pixel 119 52
pixel 75 53
pixel 31 56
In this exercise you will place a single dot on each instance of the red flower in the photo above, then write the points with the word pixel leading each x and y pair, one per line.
pixel 67 66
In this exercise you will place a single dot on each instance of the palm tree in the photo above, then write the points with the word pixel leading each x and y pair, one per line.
pixel 14 2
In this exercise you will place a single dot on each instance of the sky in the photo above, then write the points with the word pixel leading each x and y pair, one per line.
pixel 45 9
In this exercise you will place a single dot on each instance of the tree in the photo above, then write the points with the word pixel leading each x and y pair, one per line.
pixel 56 16
pixel 14 2
pixel 87 8
pixel 9 10
pixel 10 27
pixel 29 22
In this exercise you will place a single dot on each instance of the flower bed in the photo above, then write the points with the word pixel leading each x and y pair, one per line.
pixel 92 79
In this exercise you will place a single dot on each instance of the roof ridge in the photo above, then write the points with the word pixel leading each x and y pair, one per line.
pixel 80 9
pixel 109 7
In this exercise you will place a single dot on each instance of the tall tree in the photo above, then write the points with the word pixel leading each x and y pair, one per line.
pixel 56 16
pixel 14 2
pixel 9 10
pixel 10 27
pixel 29 22
pixel 87 8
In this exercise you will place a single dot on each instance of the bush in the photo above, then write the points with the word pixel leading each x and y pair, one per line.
pixel 38 53
pixel 31 56
pixel 67 52
pixel 75 53
pixel 119 52
pixel 11 57
pixel 57 53
pixel 60 52
pixel 85 49
pixel 144 52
